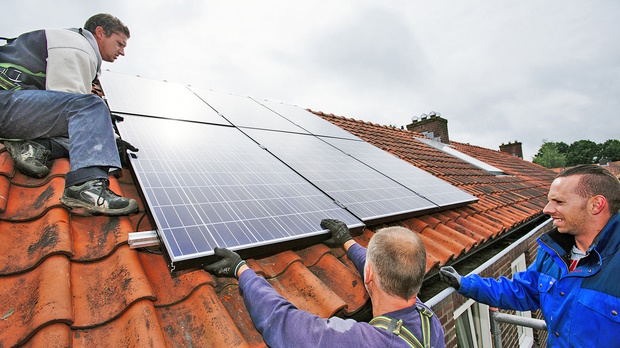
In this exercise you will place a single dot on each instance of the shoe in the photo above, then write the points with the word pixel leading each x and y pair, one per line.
pixel 30 158
pixel 97 198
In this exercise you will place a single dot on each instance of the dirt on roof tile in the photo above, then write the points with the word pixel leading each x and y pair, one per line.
pixel 138 326
pixel 171 288
pixel 38 239
pixel 103 290
pixel 199 321
pixel 38 200
pixel 34 299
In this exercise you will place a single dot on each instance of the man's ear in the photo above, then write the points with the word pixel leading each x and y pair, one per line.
pixel 99 33
pixel 597 204
pixel 369 273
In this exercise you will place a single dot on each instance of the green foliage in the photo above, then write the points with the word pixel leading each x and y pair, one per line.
pixel 582 152
pixel 560 154
pixel 549 156
pixel 610 150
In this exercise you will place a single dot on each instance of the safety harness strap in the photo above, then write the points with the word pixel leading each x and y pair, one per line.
pixel 396 327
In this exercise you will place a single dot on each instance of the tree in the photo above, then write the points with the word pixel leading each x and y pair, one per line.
pixel 549 156
pixel 582 152
pixel 610 150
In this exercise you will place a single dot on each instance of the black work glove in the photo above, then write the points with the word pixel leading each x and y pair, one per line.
pixel 450 276
pixel 123 146
pixel 340 232
pixel 228 265
pixel 117 118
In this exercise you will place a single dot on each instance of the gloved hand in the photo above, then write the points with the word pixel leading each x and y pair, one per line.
pixel 450 276
pixel 340 232
pixel 123 146
pixel 228 265
pixel 117 118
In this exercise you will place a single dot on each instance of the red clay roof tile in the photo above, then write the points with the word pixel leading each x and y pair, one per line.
pixel 201 320
pixel 103 289
pixel 57 335
pixel 169 288
pixel 37 199
pixel 4 192
pixel 38 239
pixel 343 281
pixel 34 299
pixel 309 293
pixel 138 326
pixel 96 237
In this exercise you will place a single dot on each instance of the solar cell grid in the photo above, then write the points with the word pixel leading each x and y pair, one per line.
pixel 434 189
pixel 212 186
pixel 362 190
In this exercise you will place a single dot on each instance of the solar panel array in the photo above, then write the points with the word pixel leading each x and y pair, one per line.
pixel 211 186
pixel 223 170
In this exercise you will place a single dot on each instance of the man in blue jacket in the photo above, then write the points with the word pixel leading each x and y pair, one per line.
pixel 47 110
pixel 392 268
pixel 575 279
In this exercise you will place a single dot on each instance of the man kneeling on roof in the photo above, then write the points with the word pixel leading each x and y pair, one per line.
pixel 392 267
pixel 47 110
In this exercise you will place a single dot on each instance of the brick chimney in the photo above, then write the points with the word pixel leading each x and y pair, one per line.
pixel 514 149
pixel 431 125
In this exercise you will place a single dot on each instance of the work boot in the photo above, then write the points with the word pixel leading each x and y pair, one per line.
pixel 30 158
pixel 97 198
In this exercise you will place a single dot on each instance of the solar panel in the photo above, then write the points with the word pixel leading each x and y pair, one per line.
pixel 308 121
pixel 139 96
pixel 425 184
pixel 245 112
pixel 209 185
pixel 367 193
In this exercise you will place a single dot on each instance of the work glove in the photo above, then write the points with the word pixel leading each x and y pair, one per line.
pixel 450 276
pixel 339 230
pixel 228 265
pixel 123 146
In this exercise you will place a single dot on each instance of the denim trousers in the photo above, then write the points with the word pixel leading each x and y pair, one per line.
pixel 83 118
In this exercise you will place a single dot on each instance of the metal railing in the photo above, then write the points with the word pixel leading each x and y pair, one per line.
pixel 497 317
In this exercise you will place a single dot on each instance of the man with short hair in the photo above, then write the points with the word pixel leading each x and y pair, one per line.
pixel 392 268
pixel 574 281
pixel 47 110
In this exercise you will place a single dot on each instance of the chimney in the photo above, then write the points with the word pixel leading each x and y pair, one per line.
pixel 431 125
pixel 514 149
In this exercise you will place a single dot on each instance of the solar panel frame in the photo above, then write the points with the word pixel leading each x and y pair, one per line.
pixel 229 185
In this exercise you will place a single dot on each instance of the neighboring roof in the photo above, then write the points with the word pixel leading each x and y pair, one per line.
pixel 68 280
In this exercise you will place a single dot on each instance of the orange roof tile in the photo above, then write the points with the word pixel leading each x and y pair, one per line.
pixel 68 280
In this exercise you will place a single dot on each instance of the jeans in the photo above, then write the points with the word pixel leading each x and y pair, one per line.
pixel 83 118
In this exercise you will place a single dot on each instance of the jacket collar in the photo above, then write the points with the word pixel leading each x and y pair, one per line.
pixel 607 241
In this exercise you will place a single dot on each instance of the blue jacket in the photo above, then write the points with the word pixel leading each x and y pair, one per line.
pixel 581 308
pixel 283 325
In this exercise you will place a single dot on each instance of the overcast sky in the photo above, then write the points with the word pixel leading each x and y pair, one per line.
pixel 498 71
